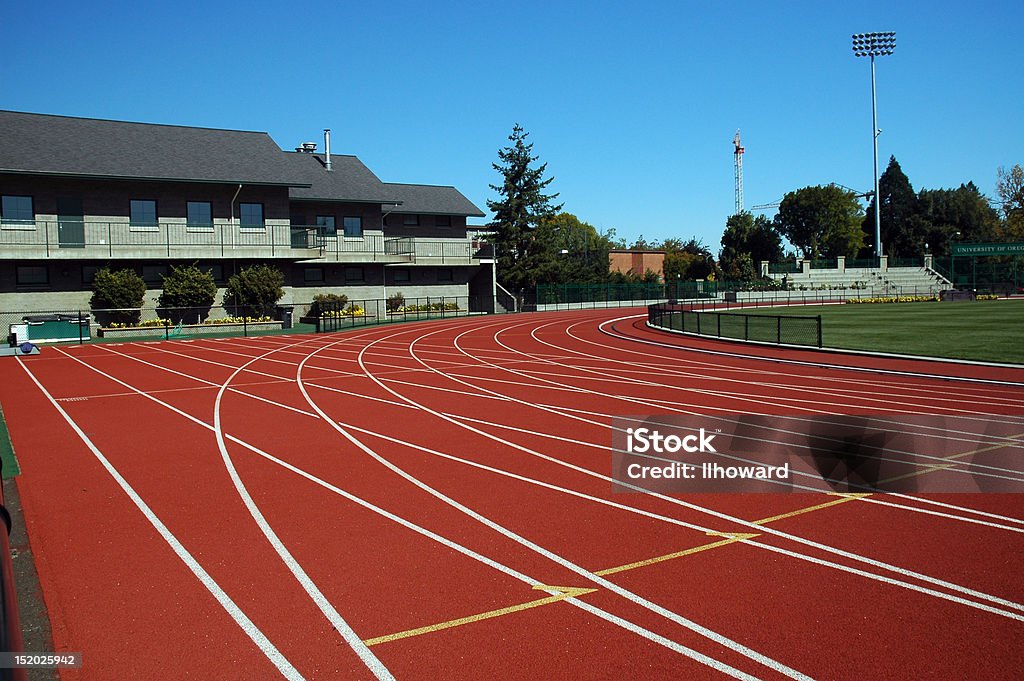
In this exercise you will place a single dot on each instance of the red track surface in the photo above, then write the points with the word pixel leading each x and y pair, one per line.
pixel 369 530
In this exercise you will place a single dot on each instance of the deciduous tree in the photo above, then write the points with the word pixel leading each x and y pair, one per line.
pixel 821 221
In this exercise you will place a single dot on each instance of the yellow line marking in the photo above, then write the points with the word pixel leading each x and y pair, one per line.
pixel 931 468
pixel 732 538
pixel 564 592
pixel 729 538
pixel 800 511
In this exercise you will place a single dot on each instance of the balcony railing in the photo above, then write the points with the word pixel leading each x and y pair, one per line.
pixel 86 239
pixel 82 239
pixel 438 251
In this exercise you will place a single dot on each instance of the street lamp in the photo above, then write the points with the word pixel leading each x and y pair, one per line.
pixel 875 45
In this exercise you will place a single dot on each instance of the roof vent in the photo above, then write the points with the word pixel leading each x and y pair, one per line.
pixel 307 148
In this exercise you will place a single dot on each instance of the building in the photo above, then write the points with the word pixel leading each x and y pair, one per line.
pixel 637 262
pixel 78 194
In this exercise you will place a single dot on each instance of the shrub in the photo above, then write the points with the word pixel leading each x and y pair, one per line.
pixel 114 291
pixel 324 303
pixel 396 302
pixel 254 291
pixel 187 296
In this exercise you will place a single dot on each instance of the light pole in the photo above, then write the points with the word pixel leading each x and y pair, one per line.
pixel 875 45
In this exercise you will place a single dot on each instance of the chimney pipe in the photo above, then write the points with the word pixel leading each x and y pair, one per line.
pixel 327 143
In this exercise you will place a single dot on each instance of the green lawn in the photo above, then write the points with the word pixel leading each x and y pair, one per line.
pixel 990 331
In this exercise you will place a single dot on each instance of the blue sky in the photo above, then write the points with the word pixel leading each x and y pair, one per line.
pixel 632 105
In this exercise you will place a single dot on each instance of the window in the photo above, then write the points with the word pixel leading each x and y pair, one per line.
pixel 445 274
pixel 216 270
pixel 251 215
pixel 354 226
pixel 143 215
pixel 354 274
pixel 326 226
pixel 199 216
pixel 313 275
pixel 16 212
pixel 443 220
pixel 32 275
pixel 410 220
pixel 401 274
pixel 154 274
pixel 89 273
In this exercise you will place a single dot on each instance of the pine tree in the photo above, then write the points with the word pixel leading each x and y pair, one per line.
pixel 901 228
pixel 519 210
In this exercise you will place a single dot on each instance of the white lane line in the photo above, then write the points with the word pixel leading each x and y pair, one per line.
pixel 704 530
pixel 611 586
pixel 891 404
pixel 845 367
pixel 512 572
pixel 321 601
pixel 251 630
pixel 955 467
pixel 908 390
pixel 371 661
pixel 600 446
pixel 906 507
pixel 718 514
pixel 630 626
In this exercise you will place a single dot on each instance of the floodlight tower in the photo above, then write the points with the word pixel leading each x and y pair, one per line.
pixel 875 45
pixel 737 156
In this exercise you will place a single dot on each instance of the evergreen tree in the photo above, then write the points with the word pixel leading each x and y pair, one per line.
pixel 901 229
pixel 519 210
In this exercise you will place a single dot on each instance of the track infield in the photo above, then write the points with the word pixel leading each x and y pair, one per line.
pixel 432 501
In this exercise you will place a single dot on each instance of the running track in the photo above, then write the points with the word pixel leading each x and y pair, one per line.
pixel 431 501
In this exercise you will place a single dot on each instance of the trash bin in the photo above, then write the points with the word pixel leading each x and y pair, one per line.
pixel 284 314
pixel 19 334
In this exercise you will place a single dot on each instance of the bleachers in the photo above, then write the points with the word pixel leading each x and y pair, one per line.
pixel 887 280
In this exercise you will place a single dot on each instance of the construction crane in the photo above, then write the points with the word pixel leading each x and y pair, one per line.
pixel 738 168
pixel 857 194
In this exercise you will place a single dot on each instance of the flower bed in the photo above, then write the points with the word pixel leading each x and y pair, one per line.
pixel 158 329
pixel 893 299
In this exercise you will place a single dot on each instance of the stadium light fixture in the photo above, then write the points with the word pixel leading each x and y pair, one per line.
pixel 875 45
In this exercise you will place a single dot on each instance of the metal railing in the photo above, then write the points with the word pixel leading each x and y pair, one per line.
pixel 87 239
pixel 437 251
pixel 760 328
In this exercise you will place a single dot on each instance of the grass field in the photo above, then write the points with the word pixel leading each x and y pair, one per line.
pixel 990 331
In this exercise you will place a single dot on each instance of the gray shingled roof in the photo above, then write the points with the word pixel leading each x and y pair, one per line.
pixel 426 199
pixel 87 147
pixel 349 180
